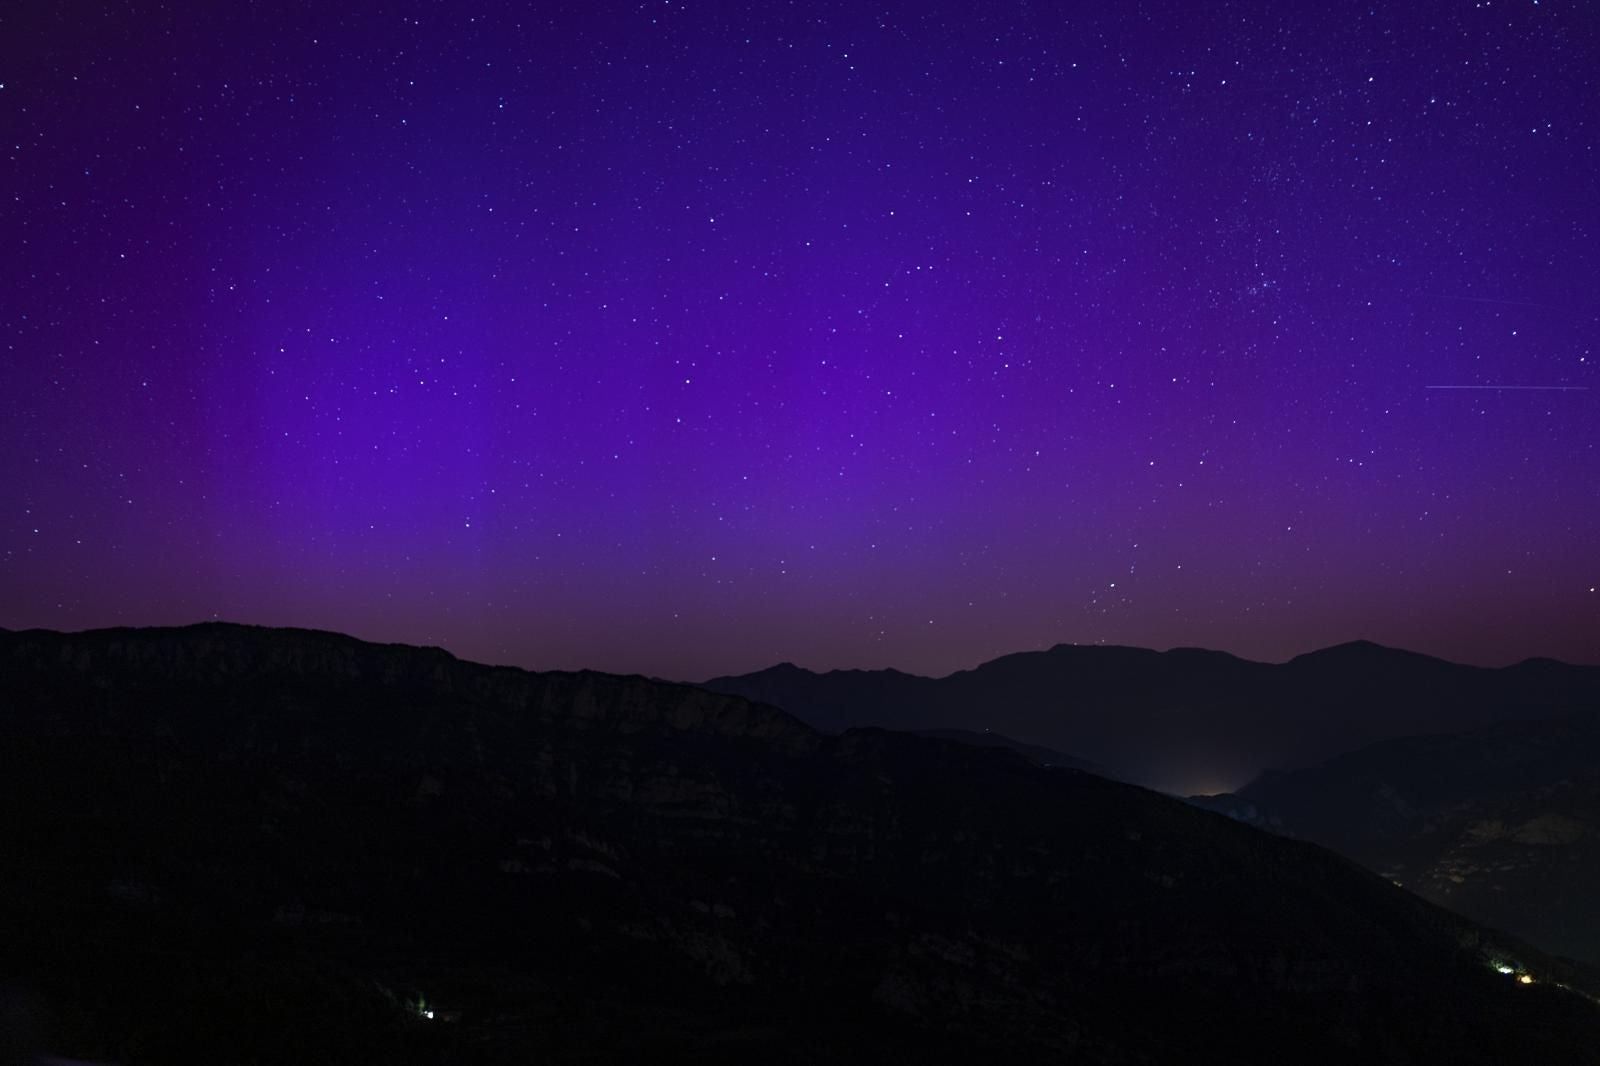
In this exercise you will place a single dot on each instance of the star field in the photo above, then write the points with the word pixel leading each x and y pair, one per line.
pixel 684 338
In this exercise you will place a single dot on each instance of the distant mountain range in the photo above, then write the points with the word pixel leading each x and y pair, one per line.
pixel 1500 824
pixel 229 844
pixel 1185 721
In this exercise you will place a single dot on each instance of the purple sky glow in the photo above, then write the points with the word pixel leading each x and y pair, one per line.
pixel 684 338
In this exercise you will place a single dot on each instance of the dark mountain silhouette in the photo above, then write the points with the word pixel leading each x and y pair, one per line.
pixel 1500 824
pixel 226 844
pixel 1032 752
pixel 1185 720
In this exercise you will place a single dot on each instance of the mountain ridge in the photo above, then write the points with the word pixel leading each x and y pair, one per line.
pixel 1358 645
pixel 1183 719
pixel 294 841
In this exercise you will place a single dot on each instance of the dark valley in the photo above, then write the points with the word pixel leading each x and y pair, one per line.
pixel 1499 824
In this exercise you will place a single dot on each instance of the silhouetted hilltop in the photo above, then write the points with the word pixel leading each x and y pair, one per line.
pixel 223 655
pixel 1366 655
pixel 1186 720
pixel 1501 824
pixel 250 845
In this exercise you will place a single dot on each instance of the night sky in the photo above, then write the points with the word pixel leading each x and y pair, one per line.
pixel 684 338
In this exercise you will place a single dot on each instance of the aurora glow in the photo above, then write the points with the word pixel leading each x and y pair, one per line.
pixel 684 338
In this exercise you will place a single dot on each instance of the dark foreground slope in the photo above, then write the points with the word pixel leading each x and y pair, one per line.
pixel 1501 824
pixel 1032 752
pixel 1185 720
pixel 240 845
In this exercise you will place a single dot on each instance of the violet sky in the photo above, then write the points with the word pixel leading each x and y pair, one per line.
pixel 688 337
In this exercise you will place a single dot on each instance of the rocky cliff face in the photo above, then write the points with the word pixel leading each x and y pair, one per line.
pixel 228 658
pixel 232 844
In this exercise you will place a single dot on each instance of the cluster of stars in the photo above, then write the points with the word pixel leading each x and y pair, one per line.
pixel 684 340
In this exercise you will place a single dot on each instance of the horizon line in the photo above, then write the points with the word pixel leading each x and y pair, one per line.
pixel 470 657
